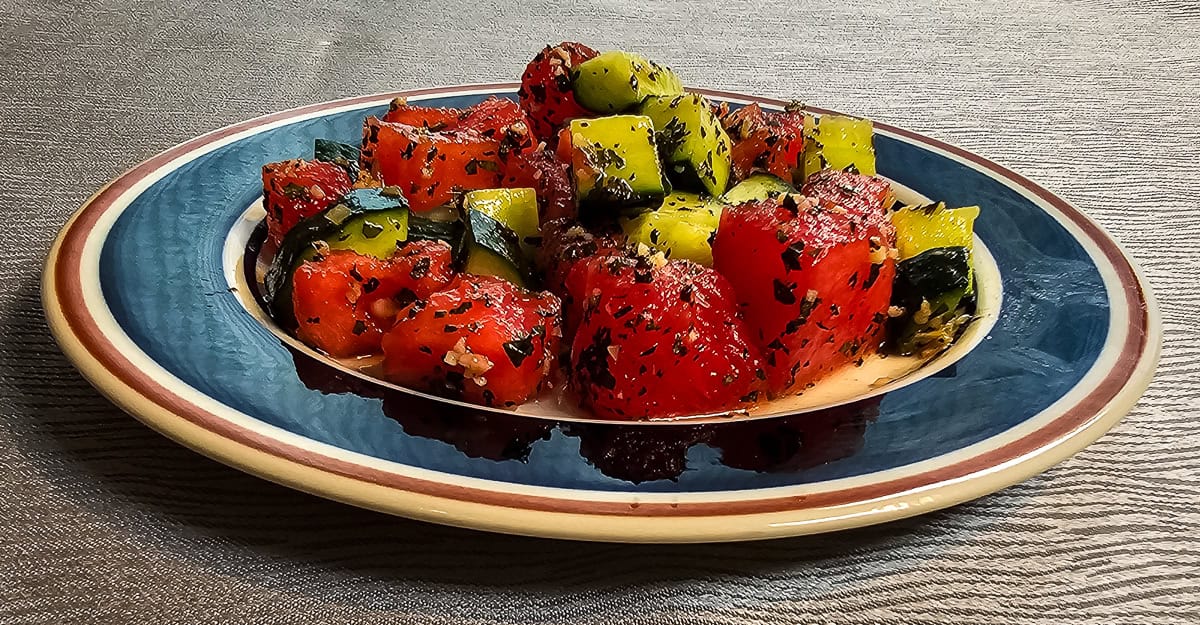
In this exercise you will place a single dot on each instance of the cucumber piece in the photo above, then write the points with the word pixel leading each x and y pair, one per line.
pixel 377 234
pixel 614 163
pixel 924 227
pixel 493 249
pixel 673 233
pixel 939 276
pixel 703 209
pixel 343 155
pixel 839 142
pixel 421 228
pixel 847 142
pixel 682 228
pixel 758 187
pixel 694 146
pixel 368 221
pixel 484 262
pixel 932 288
pixel 451 231
pixel 515 208
pixel 617 81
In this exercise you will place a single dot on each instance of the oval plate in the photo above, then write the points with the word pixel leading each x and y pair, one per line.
pixel 135 293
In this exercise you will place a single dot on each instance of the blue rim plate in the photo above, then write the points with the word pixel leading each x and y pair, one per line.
pixel 136 293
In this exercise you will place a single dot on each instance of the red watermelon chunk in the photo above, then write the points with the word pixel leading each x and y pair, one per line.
pixel 765 141
pixel 565 245
pixel 657 342
pixel 435 154
pixel 814 279
pixel 483 340
pixel 546 93
pixel 401 112
pixel 867 197
pixel 431 168
pixel 501 119
pixel 493 118
pixel 344 301
pixel 296 189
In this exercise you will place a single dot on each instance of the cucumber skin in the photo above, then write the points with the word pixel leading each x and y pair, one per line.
pixel 487 234
pixel 322 226
pixel 343 155
pixel 931 275
pixel 694 146
pixel 628 179
pixel 758 187
pixel 940 278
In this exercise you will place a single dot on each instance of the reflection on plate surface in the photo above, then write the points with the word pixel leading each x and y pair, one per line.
pixel 632 452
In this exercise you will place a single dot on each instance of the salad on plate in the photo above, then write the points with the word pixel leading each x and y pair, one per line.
pixel 612 239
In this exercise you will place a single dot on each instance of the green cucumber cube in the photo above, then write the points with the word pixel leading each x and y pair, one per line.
pixel 617 81
pixel 694 145
pixel 615 165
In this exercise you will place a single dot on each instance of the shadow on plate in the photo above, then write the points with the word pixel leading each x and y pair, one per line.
pixel 635 453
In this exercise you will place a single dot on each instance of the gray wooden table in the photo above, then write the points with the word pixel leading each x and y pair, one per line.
pixel 103 521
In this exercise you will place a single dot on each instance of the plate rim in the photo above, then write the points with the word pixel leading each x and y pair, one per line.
pixel 625 521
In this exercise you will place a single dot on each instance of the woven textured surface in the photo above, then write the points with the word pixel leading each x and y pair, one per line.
pixel 104 521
